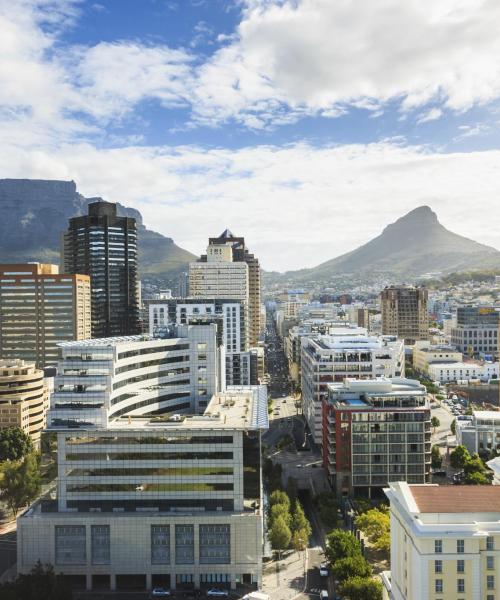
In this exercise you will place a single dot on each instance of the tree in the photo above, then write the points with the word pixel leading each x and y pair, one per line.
pixel 459 457
pixel 41 583
pixel 375 524
pixel 352 566
pixel 20 482
pixel 360 588
pixel 436 459
pixel 477 478
pixel 300 522
pixel 279 497
pixel 341 544
pixel 280 535
pixel 14 444
pixel 299 540
pixel 453 427
pixel 279 511
pixel 435 423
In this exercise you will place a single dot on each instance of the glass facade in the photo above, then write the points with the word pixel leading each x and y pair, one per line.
pixel 70 545
pixel 100 544
pixel 160 544
pixel 215 544
pixel 184 544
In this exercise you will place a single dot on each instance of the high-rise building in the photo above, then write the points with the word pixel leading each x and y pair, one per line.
pixel 104 246
pixel 375 431
pixel 404 313
pixel 213 276
pixel 23 397
pixel 40 308
pixel 343 352
pixel 476 329
pixel 444 542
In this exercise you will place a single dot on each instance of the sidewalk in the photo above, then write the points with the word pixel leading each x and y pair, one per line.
pixel 290 580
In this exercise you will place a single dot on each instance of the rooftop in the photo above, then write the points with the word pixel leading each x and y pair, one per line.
pixel 487 414
pixel 456 499
pixel 111 341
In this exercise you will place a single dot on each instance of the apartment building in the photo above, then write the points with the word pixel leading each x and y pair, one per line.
pixel 104 246
pixel 40 308
pixel 445 542
pixel 480 432
pixel 404 312
pixel 376 431
pixel 231 318
pixel 23 397
pixel 343 353
pixel 100 380
pixel 157 502
pixel 476 330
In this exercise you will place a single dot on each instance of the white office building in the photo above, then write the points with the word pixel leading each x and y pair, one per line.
pixel 481 432
pixel 100 380
pixel 344 352
pixel 445 372
pixel 173 502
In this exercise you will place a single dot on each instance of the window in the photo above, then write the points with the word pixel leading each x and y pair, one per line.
pixel 460 546
pixel 160 544
pixel 490 563
pixel 70 545
pixel 438 546
pixel 490 597
pixel 490 582
pixel 438 586
pixel 100 545
pixel 438 566
pixel 460 566
pixel 184 544
pixel 460 585
pixel 490 543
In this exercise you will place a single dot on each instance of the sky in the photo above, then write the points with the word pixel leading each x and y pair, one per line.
pixel 304 125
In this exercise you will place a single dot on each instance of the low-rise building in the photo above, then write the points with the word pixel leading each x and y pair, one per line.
pixel 445 542
pixel 23 398
pixel 481 432
pixel 425 353
pixel 344 352
pixel 376 431
pixel 445 372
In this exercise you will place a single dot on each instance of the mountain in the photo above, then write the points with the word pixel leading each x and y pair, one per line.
pixel 35 212
pixel 413 245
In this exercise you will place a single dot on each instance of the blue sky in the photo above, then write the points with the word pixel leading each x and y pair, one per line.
pixel 301 124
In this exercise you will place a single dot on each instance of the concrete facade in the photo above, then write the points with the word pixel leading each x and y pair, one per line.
pixel 404 313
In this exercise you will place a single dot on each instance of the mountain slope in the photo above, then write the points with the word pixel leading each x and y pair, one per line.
pixel 36 212
pixel 415 244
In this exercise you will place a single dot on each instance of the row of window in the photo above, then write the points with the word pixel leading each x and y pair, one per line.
pixel 439 586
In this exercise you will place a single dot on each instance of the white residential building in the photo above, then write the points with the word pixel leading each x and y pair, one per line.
pixel 444 372
pixel 344 352
pixel 100 380
pixel 481 432
pixel 445 542
pixel 173 502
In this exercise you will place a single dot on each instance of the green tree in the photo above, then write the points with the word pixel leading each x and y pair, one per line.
pixel 279 511
pixel 453 427
pixel 435 423
pixel 299 540
pixel 477 478
pixel 41 583
pixel 20 483
pixel 375 524
pixel 361 588
pixel 14 444
pixel 300 522
pixel 352 566
pixel 341 544
pixel 436 459
pixel 459 457
pixel 280 535
pixel 279 497
pixel 474 465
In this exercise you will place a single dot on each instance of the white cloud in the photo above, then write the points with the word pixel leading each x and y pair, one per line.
pixel 431 115
pixel 315 203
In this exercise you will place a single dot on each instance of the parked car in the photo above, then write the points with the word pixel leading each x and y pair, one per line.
pixel 160 593
pixel 217 593
pixel 323 570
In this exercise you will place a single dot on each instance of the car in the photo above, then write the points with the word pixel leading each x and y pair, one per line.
pixel 160 593
pixel 323 570
pixel 217 593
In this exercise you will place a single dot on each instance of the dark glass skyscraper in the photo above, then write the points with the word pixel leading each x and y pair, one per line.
pixel 104 246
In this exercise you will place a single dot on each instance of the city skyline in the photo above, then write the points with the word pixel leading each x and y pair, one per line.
pixel 227 108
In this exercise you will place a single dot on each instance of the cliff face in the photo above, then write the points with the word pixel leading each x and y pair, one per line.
pixel 35 212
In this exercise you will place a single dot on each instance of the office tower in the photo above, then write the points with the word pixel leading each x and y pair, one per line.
pixel 404 313
pixel 476 330
pixel 343 352
pixel 141 504
pixel 374 431
pixel 23 397
pixel 104 246
pixel 102 379
pixel 39 308
pixel 444 542
pixel 220 274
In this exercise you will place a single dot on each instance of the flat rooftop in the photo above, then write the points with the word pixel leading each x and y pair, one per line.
pixel 110 341
pixel 456 499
